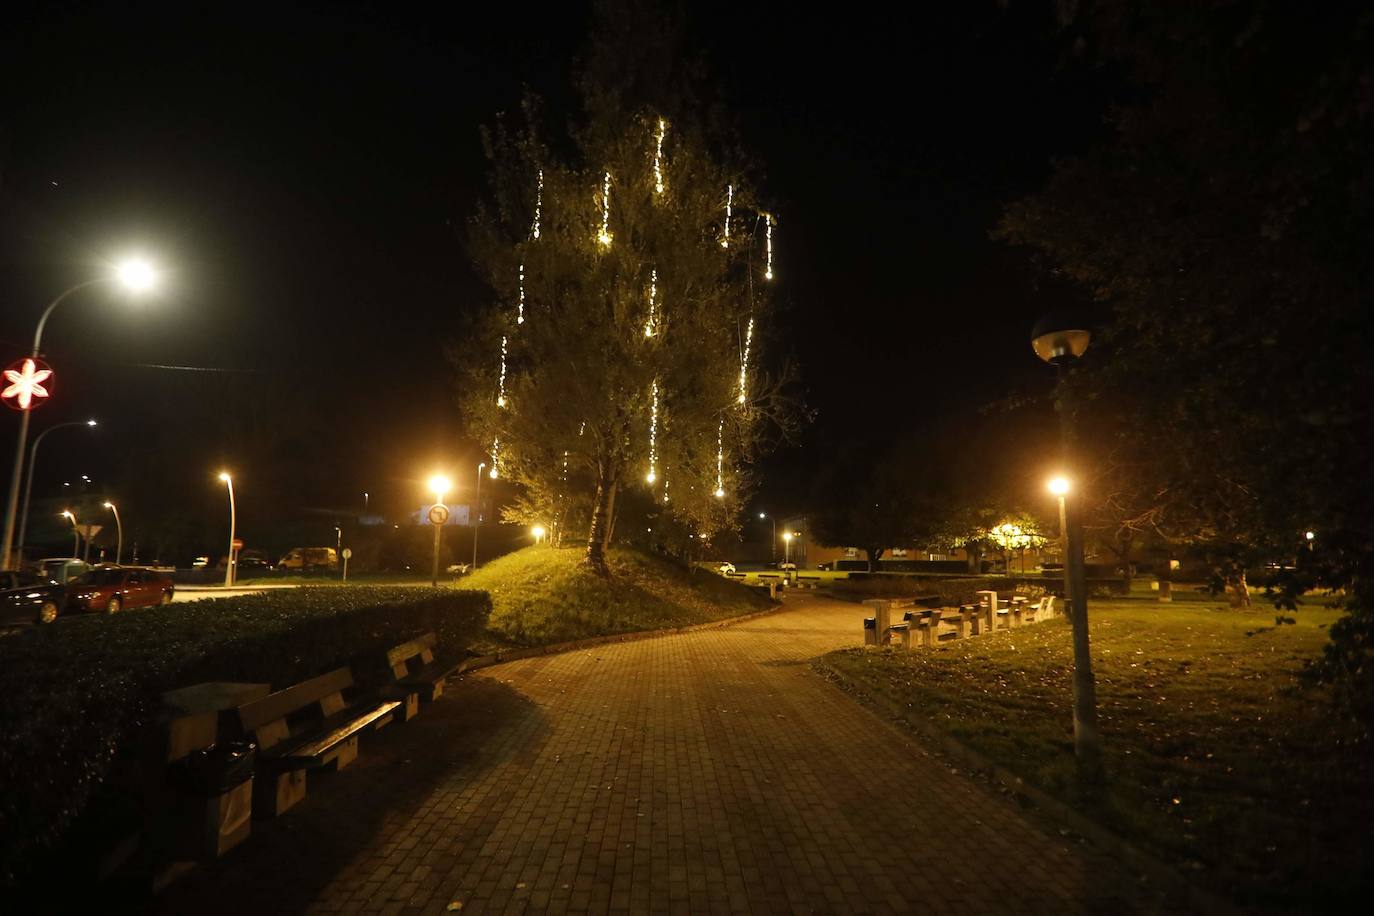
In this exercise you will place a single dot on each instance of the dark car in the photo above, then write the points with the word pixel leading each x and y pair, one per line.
pixel 111 589
pixel 252 566
pixel 27 597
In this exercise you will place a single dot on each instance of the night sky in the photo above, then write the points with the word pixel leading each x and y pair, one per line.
pixel 307 172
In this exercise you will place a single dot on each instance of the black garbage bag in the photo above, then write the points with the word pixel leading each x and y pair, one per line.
pixel 216 769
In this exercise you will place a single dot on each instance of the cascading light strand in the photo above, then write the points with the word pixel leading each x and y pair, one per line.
pixel 604 236
pixel 651 323
pixel 538 206
pixel 501 385
pixel 768 242
pixel 658 156
pixel 495 457
pixel 744 362
pixel 653 436
pixel 720 459
pixel 729 205
pixel 520 306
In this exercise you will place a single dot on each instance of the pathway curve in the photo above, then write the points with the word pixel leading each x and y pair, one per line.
pixel 705 772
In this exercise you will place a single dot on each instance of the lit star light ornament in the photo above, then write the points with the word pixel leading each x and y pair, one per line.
pixel 720 459
pixel 768 241
pixel 658 157
pixel 651 325
pixel 744 362
pixel 729 203
pixel 24 389
pixel 604 237
pixel 653 436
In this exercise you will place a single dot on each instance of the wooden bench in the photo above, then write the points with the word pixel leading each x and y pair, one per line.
pixel 418 675
pixel 304 727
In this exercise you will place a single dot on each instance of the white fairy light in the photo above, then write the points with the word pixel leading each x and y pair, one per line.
pixel 520 313
pixel 651 325
pixel 604 236
pixel 538 205
pixel 744 362
pixel 653 436
pixel 720 459
pixel 658 156
pixel 768 240
pixel 729 203
pixel 495 457
pixel 501 390
pixel 582 429
pixel 665 483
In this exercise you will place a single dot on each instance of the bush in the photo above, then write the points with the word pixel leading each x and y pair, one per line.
pixel 73 694
pixel 948 591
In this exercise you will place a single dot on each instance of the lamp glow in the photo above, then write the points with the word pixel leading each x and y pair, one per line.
pixel 1310 535
pixel 787 535
pixel 1059 486
pixel 538 532
pixel 439 485
pixel 92 423
pixel 136 275
pixel 729 204
pixel 604 236
pixel 224 477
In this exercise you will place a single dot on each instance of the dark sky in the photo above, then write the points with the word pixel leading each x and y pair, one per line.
pixel 306 172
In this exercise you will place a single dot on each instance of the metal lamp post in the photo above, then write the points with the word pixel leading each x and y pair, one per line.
pixel 477 513
pixel 134 275
pixel 773 542
pixel 76 532
pixel 786 547
pixel 119 529
pixel 28 482
pixel 233 522
pixel 1059 340
pixel 439 485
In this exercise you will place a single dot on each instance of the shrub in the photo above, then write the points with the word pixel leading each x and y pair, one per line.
pixel 74 693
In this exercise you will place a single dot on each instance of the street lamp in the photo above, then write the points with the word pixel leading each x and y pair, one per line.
pixel 786 547
pixel 119 527
pixel 773 541
pixel 76 532
pixel 538 532
pixel 136 276
pixel 28 481
pixel 438 485
pixel 1059 340
pixel 233 521
pixel 477 511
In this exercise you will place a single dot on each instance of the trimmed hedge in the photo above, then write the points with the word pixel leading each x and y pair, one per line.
pixel 75 692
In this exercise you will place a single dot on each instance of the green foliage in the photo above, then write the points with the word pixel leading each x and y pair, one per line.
pixel 540 595
pixel 75 693
pixel 948 591
pixel 1220 758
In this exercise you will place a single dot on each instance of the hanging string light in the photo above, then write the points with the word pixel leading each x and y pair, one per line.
pixel 653 436
pixel 729 203
pixel 520 312
pixel 665 483
pixel 501 390
pixel 604 236
pixel 651 325
pixel 768 241
pixel 538 206
pixel 720 459
pixel 658 156
pixel 744 362
pixel 495 457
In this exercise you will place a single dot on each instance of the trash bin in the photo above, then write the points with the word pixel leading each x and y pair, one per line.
pixel 870 631
pixel 215 798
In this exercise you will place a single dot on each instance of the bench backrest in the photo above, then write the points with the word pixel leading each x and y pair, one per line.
pixel 421 647
pixel 266 719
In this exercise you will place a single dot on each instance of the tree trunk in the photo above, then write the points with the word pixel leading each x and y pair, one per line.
pixel 611 514
pixel 975 560
pixel 1237 586
pixel 1124 546
pixel 874 555
pixel 601 512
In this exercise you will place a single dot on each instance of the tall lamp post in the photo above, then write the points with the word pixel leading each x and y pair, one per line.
pixel 134 275
pixel 439 485
pixel 76 532
pixel 773 542
pixel 28 482
pixel 477 513
pixel 233 523
pixel 786 547
pixel 1059 340
pixel 119 529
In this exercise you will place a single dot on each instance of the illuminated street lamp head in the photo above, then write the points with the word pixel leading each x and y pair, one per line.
pixel 538 532
pixel 787 535
pixel 108 505
pixel 92 423
pixel 439 485
pixel 224 476
pixel 67 513
pixel 763 515
pixel 137 275
pixel 1059 486
pixel 1310 535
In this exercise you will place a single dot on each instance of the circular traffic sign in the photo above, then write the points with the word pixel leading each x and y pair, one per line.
pixel 27 383
pixel 347 552
pixel 438 514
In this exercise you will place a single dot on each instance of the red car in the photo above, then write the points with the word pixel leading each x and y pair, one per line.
pixel 111 589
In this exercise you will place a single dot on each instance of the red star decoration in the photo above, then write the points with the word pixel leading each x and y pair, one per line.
pixel 26 384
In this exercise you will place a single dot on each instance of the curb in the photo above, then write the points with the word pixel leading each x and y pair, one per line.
pixel 510 655
pixel 1158 872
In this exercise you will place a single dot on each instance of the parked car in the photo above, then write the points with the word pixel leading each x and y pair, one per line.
pixel 111 589
pixel 62 569
pixel 725 568
pixel 27 597
pixel 786 564
pixel 252 566
pixel 303 558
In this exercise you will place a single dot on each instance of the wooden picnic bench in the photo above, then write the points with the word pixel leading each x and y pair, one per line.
pixel 306 726
pixel 417 673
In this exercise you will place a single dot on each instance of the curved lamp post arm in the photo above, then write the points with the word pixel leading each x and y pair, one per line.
pixel 28 481
pixel 42 322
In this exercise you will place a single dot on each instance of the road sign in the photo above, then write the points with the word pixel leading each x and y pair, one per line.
pixel 438 514
pixel 238 543
pixel 88 531
pixel 26 384
pixel 347 552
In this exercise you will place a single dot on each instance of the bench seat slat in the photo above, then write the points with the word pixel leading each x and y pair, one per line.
pixel 302 750
pixel 429 674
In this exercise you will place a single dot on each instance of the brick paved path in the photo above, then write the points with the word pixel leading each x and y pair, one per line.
pixel 700 773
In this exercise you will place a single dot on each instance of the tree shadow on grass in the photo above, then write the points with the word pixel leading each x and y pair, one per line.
pixel 355 818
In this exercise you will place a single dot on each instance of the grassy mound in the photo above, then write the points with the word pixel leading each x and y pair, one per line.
pixel 1220 757
pixel 541 596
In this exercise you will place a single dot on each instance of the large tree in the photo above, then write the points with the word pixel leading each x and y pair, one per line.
pixel 630 263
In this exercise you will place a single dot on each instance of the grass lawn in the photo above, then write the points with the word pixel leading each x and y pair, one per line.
pixel 1220 759
pixel 541 595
